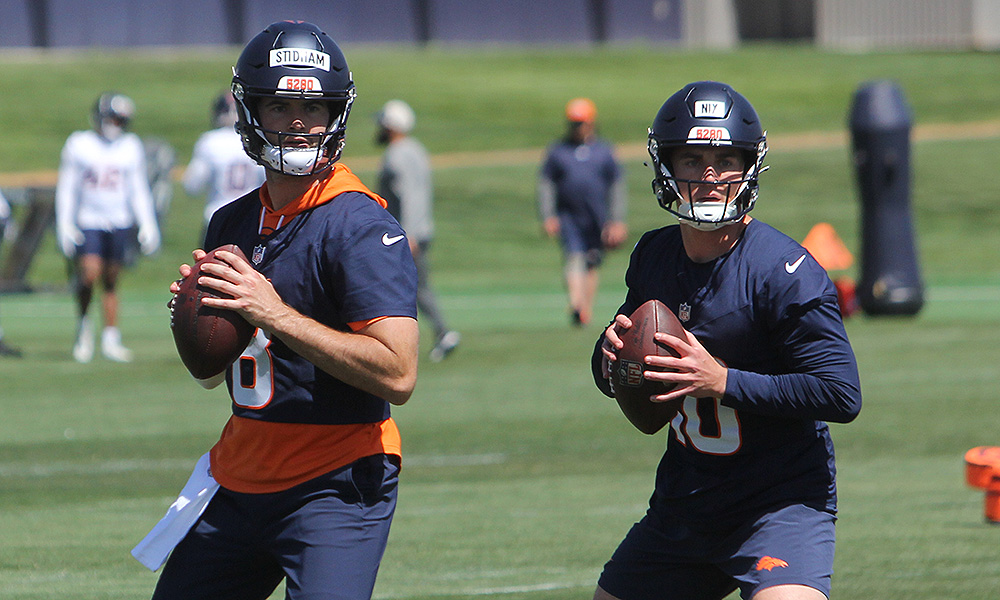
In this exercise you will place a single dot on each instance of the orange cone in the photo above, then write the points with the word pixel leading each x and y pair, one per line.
pixel 981 464
pixel 991 509
pixel 827 248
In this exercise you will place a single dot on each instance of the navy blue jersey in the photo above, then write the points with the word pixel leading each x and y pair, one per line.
pixel 583 175
pixel 769 312
pixel 341 262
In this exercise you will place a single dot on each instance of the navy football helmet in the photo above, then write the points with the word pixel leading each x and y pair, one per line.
pixel 224 110
pixel 707 113
pixel 296 60
pixel 111 114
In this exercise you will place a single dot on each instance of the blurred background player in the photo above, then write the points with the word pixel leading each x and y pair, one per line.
pixel 745 495
pixel 219 163
pixel 405 183
pixel 5 350
pixel 582 201
pixel 102 196
pixel 160 160
pixel 308 462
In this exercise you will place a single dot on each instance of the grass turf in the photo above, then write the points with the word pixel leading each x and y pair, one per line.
pixel 519 477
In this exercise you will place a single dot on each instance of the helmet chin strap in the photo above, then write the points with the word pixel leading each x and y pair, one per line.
pixel 292 161
pixel 706 216
pixel 296 160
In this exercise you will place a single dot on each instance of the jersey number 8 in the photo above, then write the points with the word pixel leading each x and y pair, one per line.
pixel 253 381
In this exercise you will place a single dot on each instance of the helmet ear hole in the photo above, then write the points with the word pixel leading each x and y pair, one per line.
pixel 749 160
pixel 665 159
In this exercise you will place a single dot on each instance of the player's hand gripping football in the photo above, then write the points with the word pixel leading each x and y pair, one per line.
pixel 252 295
pixel 185 271
pixel 696 372
pixel 613 343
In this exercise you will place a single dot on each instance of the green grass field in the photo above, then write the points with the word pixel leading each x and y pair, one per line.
pixel 519 477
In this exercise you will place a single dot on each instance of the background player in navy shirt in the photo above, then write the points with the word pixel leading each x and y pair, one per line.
pixel 745 495
pixel 309 459
pixel 582 201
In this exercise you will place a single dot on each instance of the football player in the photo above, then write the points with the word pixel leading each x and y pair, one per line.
pixel 102 194
pixel 219 163
pixel 308 461
pixel 745 495
pixel 5 349
pixel 582 202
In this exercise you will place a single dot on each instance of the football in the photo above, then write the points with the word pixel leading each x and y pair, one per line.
pixel 208 339
pixel 632 389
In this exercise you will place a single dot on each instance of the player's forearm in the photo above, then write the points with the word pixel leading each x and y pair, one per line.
pixel 65 201
pixel 385 369
pixel 618 206
pixel 828 397
pixel 546 192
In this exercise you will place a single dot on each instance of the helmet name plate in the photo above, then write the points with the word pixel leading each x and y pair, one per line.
pixel 709 108
pixel 299 57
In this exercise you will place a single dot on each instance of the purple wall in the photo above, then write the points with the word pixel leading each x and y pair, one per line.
pixel 15 26
pixel 139 23
pixel 343 20
pixel 634 20
pixel 510 21
pixel 113 23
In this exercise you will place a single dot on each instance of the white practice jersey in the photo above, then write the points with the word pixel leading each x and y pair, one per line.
pixel 219 162
pixel 103 184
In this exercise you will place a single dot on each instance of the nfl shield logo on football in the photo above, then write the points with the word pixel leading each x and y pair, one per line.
pixel 684 314
pixel 258 254
pixel 630 373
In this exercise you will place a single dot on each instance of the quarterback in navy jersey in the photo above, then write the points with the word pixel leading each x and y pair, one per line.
pixel 745 495
pixel 305 471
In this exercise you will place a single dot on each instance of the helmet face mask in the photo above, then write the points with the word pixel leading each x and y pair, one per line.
pixel 294 61
pixel 702 115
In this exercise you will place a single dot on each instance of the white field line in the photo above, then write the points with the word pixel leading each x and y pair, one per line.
pixel 963 294
pixel 108 467
pixel 494 591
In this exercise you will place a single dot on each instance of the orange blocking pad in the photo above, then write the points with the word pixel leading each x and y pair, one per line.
pixel 981 464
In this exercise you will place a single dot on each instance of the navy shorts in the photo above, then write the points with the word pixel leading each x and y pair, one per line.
pixel 112 245
pixel 792 545
pixel 581 240
pixel 325 537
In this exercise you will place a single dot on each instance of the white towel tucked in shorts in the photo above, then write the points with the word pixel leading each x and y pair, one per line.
pixel 153 550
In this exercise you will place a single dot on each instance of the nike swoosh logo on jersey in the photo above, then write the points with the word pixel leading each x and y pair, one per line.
pixel 792 267
pixel 388 241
